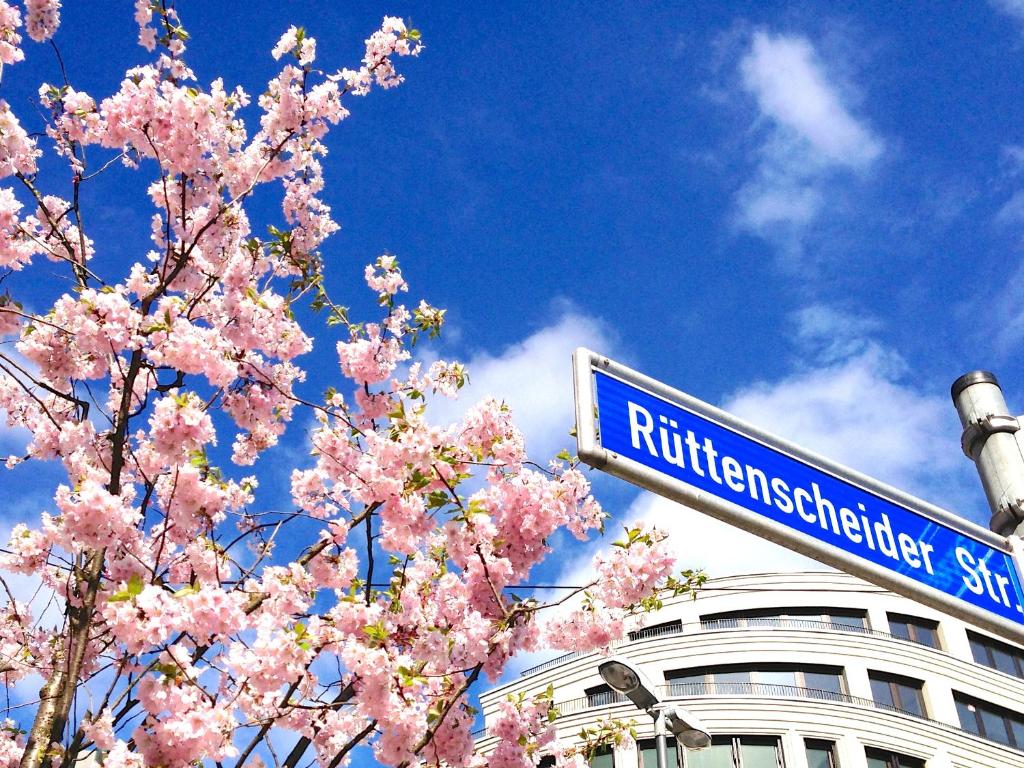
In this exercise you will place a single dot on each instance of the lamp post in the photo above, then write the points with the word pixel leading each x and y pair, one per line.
pixel 622 677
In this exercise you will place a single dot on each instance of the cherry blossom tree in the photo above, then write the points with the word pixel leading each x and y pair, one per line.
pixel 190 624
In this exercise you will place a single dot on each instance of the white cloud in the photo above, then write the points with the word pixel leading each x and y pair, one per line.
pixel 848 399
pixel 1014 8
pixel 1013 156
pixel 534 376
pixel 1006 316
pixel 784 75
pixel 1012 211
pixel 812 137
pixel 858 413
pixel 851 404
pixel 831 334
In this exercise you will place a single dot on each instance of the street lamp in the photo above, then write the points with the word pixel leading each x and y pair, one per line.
pixel 626 679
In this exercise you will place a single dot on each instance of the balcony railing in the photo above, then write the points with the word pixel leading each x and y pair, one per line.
pixel 716 625
pixel 688 690
pixel 763 690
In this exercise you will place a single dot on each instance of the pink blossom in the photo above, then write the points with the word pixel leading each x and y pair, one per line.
pixel 180 425
pixel 16 247
pixel 371 359
pixel 91 516
pixel 18 152
pixel 10 21
pixel 385 277
pixel 211 596
pixel 100 730
pixel 12 744
pixel 42 17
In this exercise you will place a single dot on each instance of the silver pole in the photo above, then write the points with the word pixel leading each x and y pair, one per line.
pixel 660 739
pixel 991 439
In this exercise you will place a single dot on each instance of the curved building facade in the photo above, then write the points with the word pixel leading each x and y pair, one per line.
pixel 806 670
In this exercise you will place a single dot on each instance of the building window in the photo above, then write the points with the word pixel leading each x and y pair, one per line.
pixel 880 758
pixel 914 629
pixel 763 680
pixel 604 757
pixel 997 655
pixel 989 721
pixel 737 752
pixel 897 692
pixel 845 619
pixel 647 752
pixel 821 754
pixel 657 630
pixel 602 696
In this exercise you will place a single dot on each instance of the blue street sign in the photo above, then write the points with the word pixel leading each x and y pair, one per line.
pixel 692 452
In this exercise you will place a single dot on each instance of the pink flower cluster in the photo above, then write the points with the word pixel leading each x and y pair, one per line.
pixel 42 17
pixel 183 724
pixel 392 38
pixel 147 619
pixel 364 613
pixel 523 729
pixel 10 40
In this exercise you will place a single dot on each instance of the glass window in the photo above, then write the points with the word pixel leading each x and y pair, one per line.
pixel 979 649
pixel 880 758
pixel 914 629
pixel 657 630
pixel 603 758
pixel 881 692
pixel 832 682
pixel 785 677
pixel 695 684
pixel 1005 661
pixel 968 717
pixel 910 698
pixel 1017 731
pixel 601 696
pixel 998 655
pixel 737 752
pixel 732 683
pixel 994 726
pixel 902 693
pixel 648 753
pixel 777 680
pixel 759 753
pixel 715 756
pixel 821 754
pixel 799 617
pixel 989 721
pixel 847 619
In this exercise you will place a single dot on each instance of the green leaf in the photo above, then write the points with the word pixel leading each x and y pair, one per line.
pixel 135 585
pixel 191 589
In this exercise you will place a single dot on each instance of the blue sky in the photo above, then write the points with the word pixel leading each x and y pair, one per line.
pixel 812 216
pixel 809 215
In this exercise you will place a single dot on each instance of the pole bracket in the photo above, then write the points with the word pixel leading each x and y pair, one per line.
pixel 979 430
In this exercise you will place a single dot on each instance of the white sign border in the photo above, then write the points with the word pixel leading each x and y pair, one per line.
pixel 590 451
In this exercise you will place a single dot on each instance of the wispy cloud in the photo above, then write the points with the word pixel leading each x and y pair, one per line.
pixel 1012 211
pixel 847 398
pixel 811 138
pixel 534 377
pixel 850 398
pixel 1014 8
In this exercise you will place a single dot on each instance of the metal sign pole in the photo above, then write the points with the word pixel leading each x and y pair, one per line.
pixel 991 439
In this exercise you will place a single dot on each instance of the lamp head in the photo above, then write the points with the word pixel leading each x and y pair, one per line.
pixel 688 730
pixel 622 677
